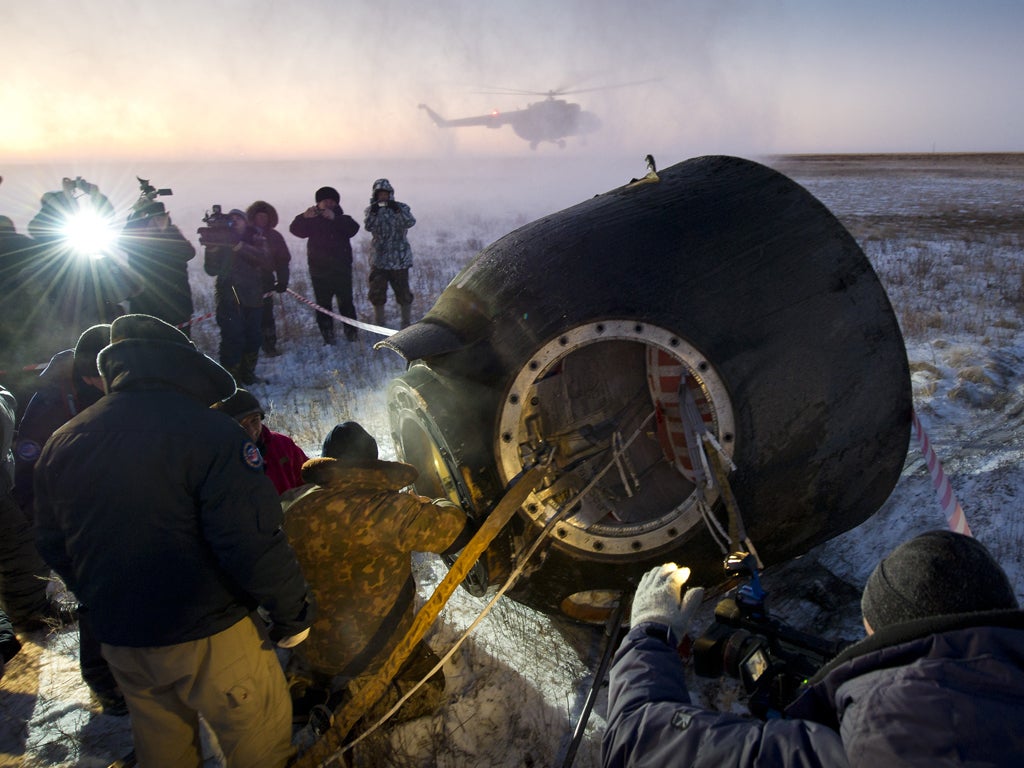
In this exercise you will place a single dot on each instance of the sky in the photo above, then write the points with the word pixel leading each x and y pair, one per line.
pixel 259 79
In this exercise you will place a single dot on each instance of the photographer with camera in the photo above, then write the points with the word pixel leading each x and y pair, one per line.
pixel 327 230
pixel 237 255
pixel 938 681
pixel 388 221
pixel 158 254
pixel 73 268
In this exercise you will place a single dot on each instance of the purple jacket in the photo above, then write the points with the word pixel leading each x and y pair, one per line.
pixel 944 691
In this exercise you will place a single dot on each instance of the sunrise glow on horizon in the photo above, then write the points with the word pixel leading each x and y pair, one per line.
pixel 231 80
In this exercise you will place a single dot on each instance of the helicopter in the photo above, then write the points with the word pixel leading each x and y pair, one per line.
pixel 553 119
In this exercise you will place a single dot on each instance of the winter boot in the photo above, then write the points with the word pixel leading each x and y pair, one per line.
pixel 406 314
pixel 378 314
pixel 247 369
pixel 270 346
pixel 328 334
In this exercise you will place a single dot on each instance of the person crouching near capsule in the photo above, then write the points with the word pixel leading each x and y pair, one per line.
pixel 354 532
pixel 938 681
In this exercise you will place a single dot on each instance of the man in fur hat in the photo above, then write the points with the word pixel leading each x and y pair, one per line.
pixel 155 511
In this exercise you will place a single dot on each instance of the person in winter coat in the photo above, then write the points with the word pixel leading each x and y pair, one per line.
pixel 10 523
pixel 328 231
pixel 239 259
pixel 263 217
pixel 354 533
pixel 938 680
pixel 23 573
pixel 390 254
pixel 69 385
pixel 78 278
pixel 282 458
pixel 16 252
pixel 156 512
pixel 158 254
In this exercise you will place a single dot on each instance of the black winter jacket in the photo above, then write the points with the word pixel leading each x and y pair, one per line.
pixel 328 248
pixel 61 396
pixel 939 692
pixel 240 270
pixel 159 260
pixel 155 509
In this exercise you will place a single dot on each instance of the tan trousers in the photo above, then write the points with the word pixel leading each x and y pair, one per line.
pixel 232 678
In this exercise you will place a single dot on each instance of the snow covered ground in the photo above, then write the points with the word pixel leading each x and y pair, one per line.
pixel 946 235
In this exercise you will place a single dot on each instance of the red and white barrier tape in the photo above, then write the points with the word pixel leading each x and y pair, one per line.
pixel 378 329
pixel 955 518
pixel 194 320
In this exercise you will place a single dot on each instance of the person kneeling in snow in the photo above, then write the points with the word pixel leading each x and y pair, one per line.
pixel 354 532
pixel 282 458
pixel 938 681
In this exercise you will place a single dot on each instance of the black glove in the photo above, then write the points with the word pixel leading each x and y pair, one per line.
pixel 393 205
pixel 280 287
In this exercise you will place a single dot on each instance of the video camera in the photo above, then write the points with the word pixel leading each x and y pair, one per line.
pixel 149 192
pixel 146 204
pixel 218 229
pixel 80 184
pixel 771 659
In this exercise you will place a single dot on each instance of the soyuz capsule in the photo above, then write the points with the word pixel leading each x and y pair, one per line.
pixel 698 355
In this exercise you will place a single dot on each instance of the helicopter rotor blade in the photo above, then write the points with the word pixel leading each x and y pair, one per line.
pixel 565 91
pixel 608 87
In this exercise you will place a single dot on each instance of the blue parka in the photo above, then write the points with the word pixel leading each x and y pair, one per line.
pixel 155 510
pixel 936 692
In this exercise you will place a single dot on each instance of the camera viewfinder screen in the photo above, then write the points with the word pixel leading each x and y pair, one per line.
pixel 755 665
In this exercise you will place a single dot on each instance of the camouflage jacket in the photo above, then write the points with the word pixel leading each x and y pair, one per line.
pixel 389 248
pixel 353 533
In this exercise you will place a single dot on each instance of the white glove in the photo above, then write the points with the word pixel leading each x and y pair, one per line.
pixel 661 598
pixel 293 640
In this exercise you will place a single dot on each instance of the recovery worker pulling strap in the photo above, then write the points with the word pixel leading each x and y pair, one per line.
pixel 367 694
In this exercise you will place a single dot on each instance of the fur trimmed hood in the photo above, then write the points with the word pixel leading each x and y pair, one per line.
pixel 262 206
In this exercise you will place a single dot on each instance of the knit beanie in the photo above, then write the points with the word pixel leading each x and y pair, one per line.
pixel 350 443
pixel 241 404
pixel 328 193
pixel 88 347
pixel 935 574
pixel 131 327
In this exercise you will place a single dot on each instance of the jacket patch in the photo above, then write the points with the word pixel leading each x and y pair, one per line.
pixel 681 720
pixel 251 455
pixel 28 450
